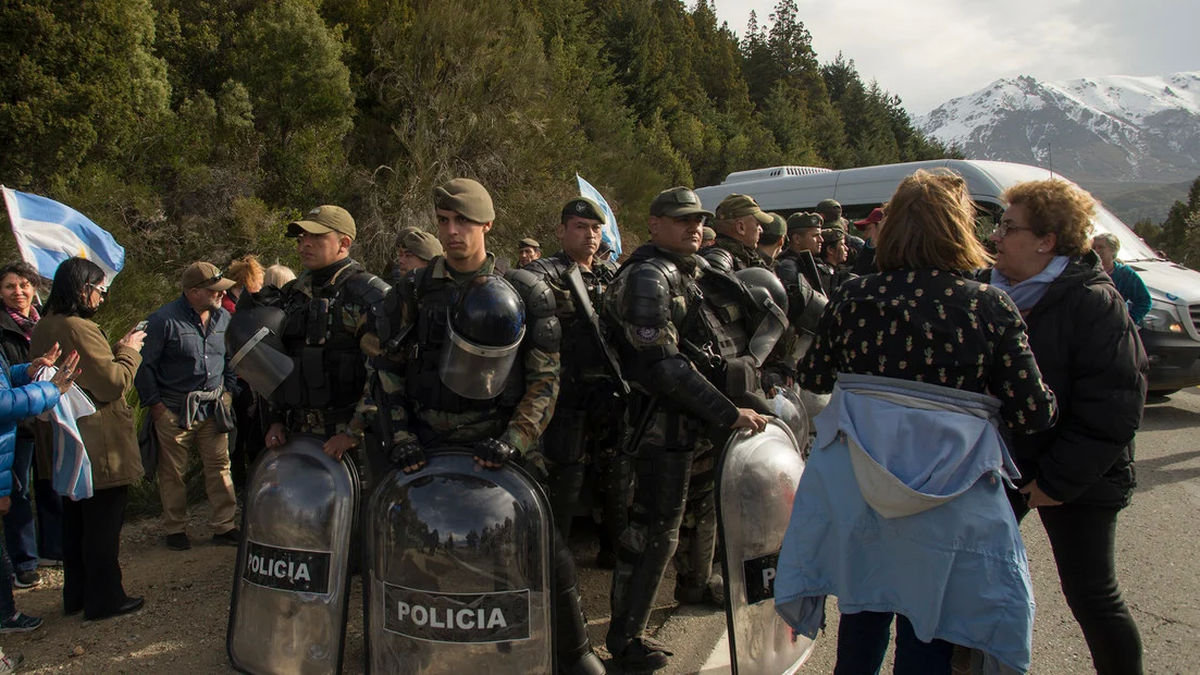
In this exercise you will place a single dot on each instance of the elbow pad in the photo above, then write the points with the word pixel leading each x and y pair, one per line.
pixel 676 380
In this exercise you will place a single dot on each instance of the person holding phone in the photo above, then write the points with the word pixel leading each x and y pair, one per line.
pixel 92 527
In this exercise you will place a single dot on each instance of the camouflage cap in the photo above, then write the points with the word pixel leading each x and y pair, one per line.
pixel 709 234
pixel 529 242
pixel 466 197
pixel 584 208
pixel 422 244
pixel 677 202
pixel 777 227
pixel 324 219
pixel 737 206
pixel 804 221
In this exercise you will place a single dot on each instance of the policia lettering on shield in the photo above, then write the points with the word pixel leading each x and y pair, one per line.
pixel 472 360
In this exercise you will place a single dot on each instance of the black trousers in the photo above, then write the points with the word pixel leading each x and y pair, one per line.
pixel 1083 539
pixel 91 544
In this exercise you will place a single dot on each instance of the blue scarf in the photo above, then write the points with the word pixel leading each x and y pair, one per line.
pixel 1028 293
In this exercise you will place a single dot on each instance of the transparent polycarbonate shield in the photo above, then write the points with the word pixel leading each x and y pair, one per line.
pixel 476 371
pixel 288 613
pixel 757 483
pixel 459 571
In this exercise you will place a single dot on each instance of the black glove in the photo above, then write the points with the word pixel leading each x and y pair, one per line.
pixel 409 456
pixel 494 451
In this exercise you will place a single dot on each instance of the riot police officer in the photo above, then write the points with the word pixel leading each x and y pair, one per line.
pixel 655 303
pixel 586 423
pixel 329 309
pixel 739 222
pixel 475 362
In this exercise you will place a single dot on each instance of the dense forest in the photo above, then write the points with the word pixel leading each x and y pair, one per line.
pixel 194 129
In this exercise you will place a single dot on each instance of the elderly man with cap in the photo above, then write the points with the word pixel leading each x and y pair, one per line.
pixel 528 250
pixel 678 410
pixel 494 397
pixel 739 222
pixel 330 311
pixel 586 427
pixel 186 382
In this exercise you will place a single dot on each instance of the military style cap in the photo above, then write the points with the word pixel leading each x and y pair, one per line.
pixel 207 276
pixel 736 206
pixel 529 242
pixel 833 234
pixel 324 219
pixel 584 208
pixel 422 244
pixel 403 233
pixel 777 227
pixel 466 197
pixel 676 203
pixel 804 221
pixel 831 211
pixel 709 234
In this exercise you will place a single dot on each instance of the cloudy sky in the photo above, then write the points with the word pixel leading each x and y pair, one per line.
pixel 929 51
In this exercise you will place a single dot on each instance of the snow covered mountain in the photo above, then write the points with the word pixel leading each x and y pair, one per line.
pixel 1102 131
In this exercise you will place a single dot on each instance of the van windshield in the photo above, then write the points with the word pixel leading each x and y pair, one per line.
pixel 1133 248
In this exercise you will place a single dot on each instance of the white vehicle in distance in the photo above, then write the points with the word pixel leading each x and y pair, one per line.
pixel 1170 331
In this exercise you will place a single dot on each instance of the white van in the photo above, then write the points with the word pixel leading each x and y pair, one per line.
pixel 1170 331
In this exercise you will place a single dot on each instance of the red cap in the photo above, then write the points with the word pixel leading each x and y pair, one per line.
pixel 875 217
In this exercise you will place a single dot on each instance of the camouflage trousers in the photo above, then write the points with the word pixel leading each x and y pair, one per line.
pixel 671 450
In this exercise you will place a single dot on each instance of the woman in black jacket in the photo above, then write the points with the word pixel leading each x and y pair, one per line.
pixel 1079 474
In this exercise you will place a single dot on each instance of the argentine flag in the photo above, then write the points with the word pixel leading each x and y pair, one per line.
pixel 48 233
pixel 609 234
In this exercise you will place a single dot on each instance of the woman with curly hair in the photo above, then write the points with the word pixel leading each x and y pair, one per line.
pixel 1078 474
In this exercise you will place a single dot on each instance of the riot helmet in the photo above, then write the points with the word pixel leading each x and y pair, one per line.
pixel 253 338
pixel 485 326
pixel 770 298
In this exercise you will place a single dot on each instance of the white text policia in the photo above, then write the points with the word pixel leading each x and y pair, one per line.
pixel 470 619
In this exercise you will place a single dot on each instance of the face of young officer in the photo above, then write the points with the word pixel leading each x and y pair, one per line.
pixel 679 235
pixel 808 239
pixel 463 240
pixel 318 251
pixel 580 238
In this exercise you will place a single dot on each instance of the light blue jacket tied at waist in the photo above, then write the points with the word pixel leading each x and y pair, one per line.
pixel 902 508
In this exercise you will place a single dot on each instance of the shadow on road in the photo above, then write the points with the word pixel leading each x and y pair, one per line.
pixel 1168 417
pixel 1154 472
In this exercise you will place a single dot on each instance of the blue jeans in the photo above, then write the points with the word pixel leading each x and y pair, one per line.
pixel 20 535
pixel 8 606
pixel 863 639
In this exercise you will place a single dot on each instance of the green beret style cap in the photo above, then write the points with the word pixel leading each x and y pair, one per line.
pixel 466 197
pixel 777 226
pixel 677 202
pixel 709 234
pixel 833 234
pixel 422 244
pixel 584 208
pixel 324 219
pixel 804 221
pixel 737 206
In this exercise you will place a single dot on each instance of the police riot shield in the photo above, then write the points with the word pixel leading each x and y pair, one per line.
pixel 290 588
pixel 756 485
pixel 459 576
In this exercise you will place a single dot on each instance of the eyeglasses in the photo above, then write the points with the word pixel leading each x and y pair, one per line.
pixel 209 281
pixel 1004 228
pixel 100 288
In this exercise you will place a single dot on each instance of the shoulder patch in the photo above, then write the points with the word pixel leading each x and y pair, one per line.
pixel 647 334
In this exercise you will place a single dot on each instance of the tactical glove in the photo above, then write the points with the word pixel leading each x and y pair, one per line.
pixel 494 451
pixel 409 456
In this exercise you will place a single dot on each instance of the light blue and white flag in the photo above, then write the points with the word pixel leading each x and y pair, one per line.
pixel 71 475
pixel 48 233
pixel 610 234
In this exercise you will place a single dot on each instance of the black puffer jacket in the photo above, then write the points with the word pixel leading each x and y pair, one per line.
pixel 1090 355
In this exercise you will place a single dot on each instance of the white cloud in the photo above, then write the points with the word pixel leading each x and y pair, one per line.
pixel 929 51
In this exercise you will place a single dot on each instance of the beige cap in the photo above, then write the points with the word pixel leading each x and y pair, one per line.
pixel 466 197
pixel 324 219
pixel 207 276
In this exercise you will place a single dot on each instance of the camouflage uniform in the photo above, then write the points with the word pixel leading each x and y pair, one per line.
pixel 586 427
pixel 655 306
pixel 731 255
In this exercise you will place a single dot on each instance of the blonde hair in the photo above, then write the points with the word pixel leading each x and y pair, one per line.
pixel 930 222
pixel 1059 207
pixel 244 269
pixel 278 275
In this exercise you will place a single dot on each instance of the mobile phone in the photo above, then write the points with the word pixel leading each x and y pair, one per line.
pixel 141 325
